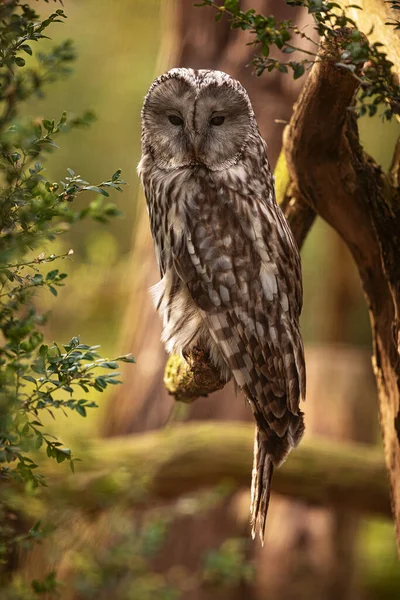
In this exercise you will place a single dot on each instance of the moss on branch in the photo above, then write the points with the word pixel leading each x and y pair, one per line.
pixel 162 465
pixel 188 379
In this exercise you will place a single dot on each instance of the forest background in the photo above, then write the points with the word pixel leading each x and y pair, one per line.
pixel 119 46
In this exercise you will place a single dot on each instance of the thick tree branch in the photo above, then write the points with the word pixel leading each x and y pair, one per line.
pixel 182 459
pixel 343 185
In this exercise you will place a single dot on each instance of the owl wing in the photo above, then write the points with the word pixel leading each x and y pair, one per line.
pixel 156 214
pixel 242 268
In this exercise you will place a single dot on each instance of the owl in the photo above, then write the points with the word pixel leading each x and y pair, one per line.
pixel 230 268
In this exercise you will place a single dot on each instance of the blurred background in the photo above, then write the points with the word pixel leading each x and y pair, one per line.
pixel 199 547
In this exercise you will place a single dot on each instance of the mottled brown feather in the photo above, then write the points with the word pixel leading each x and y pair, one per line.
pixel 230 268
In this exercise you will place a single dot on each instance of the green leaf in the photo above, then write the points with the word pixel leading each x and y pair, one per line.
pixel 127 358
pixel 265 50
pixel 51 275
pixel 74 342
pixel 81 410
pixel 43 351
pixel 94 188
pixel 298 70
pixel 62 454
pixel 48 125
pixel 232 6
pixel 109 365
pixel 38 366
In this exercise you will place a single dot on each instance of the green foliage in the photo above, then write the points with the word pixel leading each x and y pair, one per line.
pixel 366 61
pixel 227 566
pixel 48 584
pixel 121 562
pixel 45 379
pixel 380 562
pixel 122 567
pixel 36 378
pixel 20 29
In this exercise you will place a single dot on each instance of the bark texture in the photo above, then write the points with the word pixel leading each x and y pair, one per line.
pixel 345 187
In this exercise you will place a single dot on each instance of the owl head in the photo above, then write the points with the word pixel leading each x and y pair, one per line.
pixel 192 118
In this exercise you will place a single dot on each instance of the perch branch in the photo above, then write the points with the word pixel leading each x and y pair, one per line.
pixel 165 464
pixel 188 379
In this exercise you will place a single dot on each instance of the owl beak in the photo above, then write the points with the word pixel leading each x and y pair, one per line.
pixel 196 147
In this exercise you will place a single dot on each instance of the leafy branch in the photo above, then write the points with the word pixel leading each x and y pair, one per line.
pixel 366 61
pixel 49 378
pixel 37 378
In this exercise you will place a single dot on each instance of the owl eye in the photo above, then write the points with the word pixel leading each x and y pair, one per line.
pixel 217 120
pixel 175 120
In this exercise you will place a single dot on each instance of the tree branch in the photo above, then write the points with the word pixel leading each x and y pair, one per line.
pixel 343 185
pixel 182 459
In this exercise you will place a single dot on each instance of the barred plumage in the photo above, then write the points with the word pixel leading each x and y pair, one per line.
pixel 231 274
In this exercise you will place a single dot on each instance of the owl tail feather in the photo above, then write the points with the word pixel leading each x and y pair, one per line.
pixel 263 469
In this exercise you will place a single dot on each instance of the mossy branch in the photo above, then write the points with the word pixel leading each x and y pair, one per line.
pixel 162 465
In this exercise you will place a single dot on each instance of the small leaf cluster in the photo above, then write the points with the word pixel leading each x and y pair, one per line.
pixel 20 30
pixel 227 566
pixel 47 378
pixel 124 563
pixel 48 585
pixel 34 209
pixel 38 378
pixel 366 61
